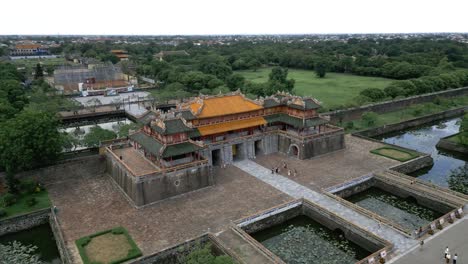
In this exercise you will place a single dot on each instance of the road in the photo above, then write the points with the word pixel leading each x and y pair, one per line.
pixel 455 237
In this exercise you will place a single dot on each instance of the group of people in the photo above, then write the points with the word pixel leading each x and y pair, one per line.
pixel 285 166
pixel 448 256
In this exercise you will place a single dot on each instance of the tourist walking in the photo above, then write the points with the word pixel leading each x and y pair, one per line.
pixel 447 258
pixel 289 172
pixel 455 257
pixel 447 251
pixel 295 172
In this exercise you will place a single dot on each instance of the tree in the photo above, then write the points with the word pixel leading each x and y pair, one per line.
pixel 39 72
pixel 278 74
pixel 29 140
pixel 16 252
pixel 320 68
pixel 235 81
pixel 96 135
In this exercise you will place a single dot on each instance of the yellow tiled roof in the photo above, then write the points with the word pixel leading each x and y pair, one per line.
pixel 232 125
pixel 218 106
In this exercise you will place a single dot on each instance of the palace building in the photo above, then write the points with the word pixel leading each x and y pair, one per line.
pixel 175 152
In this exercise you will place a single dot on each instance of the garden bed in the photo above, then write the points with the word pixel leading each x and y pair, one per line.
pixel 108 247
pixel 395 153
pixel 23 205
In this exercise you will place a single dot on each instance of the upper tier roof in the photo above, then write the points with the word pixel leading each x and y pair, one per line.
pixel 223 105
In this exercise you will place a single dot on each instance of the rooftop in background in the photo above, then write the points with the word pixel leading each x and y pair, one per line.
pixel 223 105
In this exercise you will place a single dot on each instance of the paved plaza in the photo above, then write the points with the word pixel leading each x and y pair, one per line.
pixel 334 168
pixel 92 204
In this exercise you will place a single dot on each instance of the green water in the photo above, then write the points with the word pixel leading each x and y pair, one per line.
pixel 302 240
pixel 406 212
pixel 40 236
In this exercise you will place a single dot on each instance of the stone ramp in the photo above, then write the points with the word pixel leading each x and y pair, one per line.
pixel 243 250
pixel 292 188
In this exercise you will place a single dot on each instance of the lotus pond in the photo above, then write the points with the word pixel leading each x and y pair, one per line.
pixel 303 240
pixel 405 212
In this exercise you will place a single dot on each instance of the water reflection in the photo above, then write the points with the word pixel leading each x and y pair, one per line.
pixel 424 139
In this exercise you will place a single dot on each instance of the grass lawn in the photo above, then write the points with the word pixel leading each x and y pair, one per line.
pixel 456 139
pixel 394 153
pixel 110 246
pixel 410 112
pixel 20 207
pixel 333 90
pixel 30 64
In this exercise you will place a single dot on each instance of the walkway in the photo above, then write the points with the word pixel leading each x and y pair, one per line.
pixel 401 242
pixel 455 237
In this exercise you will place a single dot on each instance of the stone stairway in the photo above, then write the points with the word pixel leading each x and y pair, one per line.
pixel 296 190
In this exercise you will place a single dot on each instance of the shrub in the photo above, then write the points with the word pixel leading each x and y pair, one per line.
pixel 381 260
pixel 3 213
pixel 349 125
pixel 430 232
pixel 8 199
pixel 373 93
pixel 31 202
pixel 439 226
pixel 28 186
pixel 369 118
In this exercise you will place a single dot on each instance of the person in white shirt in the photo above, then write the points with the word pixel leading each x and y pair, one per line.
pixel 455 257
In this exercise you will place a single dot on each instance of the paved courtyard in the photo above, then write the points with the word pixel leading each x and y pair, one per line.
pixel 92 204
pixel 334 168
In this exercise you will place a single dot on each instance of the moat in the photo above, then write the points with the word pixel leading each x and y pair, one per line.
pixel 424 139
pixel 303 240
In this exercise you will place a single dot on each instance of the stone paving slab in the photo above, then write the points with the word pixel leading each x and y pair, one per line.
pixel 296 190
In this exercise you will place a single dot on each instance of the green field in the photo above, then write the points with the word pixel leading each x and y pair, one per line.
pixel 21 207
pixel 333 90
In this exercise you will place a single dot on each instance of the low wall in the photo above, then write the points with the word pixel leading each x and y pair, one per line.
pixel 411 123
pixel 59 240
pixel 448 145
pixel 312 147
pixel 176 254
pixel 389 106
pixel 23 222
pixel 78 168
pixel 353 187
pixel 414 164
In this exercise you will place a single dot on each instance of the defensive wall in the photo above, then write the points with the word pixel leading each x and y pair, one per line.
pixel 349 114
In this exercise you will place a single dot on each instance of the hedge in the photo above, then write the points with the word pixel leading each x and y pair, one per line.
pixel 134 252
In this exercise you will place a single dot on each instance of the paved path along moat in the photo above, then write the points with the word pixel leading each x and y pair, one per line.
pixel 401 242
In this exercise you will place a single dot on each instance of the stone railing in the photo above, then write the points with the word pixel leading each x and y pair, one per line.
pixel 428 184
pixel 369 214
pixel 415 186
pixel 439 222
